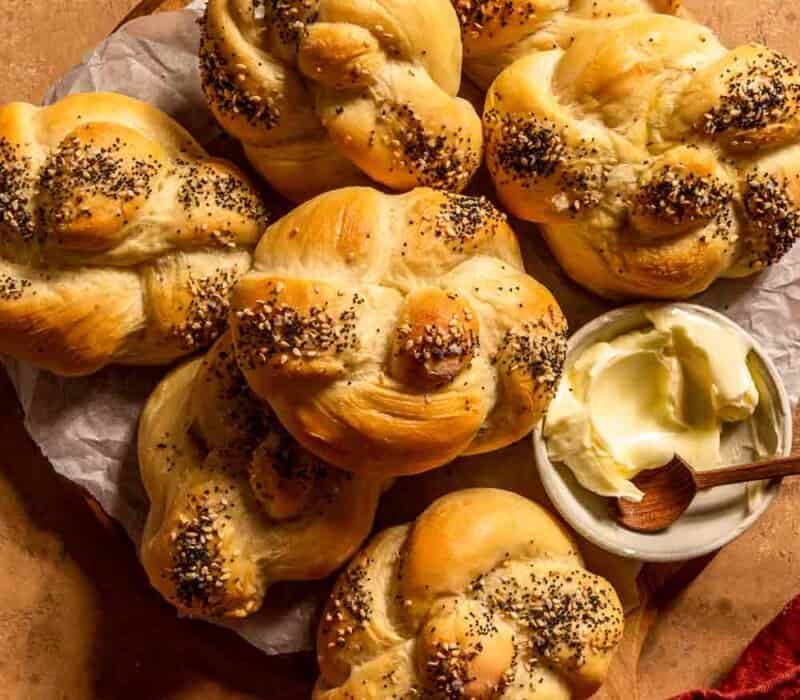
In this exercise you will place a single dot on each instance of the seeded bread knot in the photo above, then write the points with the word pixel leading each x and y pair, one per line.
pixel 330 93
pixel 120 238
pixel 655 160
pixel 235 503
pixel 484 597
pixel 393 333
pixel 498 32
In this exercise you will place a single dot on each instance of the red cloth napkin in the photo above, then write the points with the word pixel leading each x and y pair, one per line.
pixel 769 669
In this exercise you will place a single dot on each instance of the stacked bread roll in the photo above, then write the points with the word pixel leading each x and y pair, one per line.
pixel 391 334
pixel 330 93
pixel 655 160
pixel 484 596
pixel 235 503
pixel 120 238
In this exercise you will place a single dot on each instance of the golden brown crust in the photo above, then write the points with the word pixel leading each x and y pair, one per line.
pixel 119 236
pixel 328 93
pixel 484 596
pixel 649 153
pixel 235 503
pixel 391 334
pixel 498 32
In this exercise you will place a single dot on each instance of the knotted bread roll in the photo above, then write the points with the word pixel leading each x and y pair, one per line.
pixel 235 503
pixel 655 159
pixel 119 237
pixel 498 32
pixel 392 334
pixel 483 597
pixel 329 93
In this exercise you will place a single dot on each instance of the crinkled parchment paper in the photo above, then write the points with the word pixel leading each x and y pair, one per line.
pixel 87 427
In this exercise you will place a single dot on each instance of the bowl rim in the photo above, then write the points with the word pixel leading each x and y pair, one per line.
pixel 555 487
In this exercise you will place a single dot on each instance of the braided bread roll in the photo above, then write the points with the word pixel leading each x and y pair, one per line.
pixel 235 503
pixel 330 93
pixel 119 237
pixel 498 32
pixel 655 159
pixel 483 597
pixel 390 334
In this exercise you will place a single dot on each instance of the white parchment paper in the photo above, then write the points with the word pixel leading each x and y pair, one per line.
pixel 87 427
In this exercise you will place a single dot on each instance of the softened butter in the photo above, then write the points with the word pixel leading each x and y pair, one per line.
pixel 676 386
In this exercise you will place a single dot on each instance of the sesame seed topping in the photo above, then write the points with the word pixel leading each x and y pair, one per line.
pixel 524 146
pixel 198 569
pixel 679 197
pixel 462 218
pixel 582 184
pixel 225 82
pixel 474 15
pixel 204 186
pixel 526 149
pixel 440 156
pixel 76 170
pixel 207 313
pixel 289 18
pixel 449 668
pixel 539 348
pixel 228 95
pixel 757 94
pixel 352 607
pixel 16 189
pixel 12 288
pixel 563 615
pixel 437 343
pixel 777 218
pixel 273 329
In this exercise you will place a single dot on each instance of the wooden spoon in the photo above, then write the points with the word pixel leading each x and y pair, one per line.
pixel 670 489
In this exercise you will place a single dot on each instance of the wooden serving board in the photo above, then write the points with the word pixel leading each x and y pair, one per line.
pixel 90 627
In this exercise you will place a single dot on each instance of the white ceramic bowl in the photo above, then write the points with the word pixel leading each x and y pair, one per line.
pixel 715 517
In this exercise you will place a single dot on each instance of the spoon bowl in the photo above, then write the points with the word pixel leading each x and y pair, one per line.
pixel 668 493
pixel 669 490
pixel 716 516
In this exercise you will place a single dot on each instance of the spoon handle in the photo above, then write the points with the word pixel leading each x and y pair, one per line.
pixel 756 471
